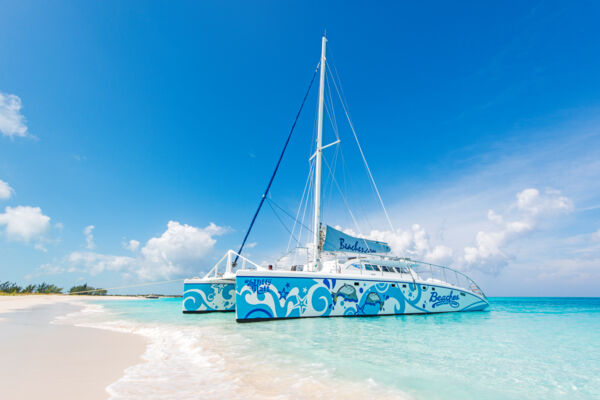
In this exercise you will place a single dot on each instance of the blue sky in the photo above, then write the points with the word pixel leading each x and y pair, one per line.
pixel 150 121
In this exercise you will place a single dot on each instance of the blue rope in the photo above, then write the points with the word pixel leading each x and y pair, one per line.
pixel 264 196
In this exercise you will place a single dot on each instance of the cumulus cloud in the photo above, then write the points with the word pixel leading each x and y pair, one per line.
pixel 23 223
pixel 5 190
pixel 531 208
pixel 490 253
pixel 132 245
pixel 89 237
pixel 95 263
pixel 12 122
pixel 413 242
pixel 178 249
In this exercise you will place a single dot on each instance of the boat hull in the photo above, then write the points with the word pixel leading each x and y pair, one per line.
pixel 268 296
pixel 208 295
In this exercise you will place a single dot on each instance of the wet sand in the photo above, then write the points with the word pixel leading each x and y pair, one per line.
pixel 39 359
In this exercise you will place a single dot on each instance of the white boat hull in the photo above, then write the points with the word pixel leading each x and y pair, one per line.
pixel 208 295
pixel 267 295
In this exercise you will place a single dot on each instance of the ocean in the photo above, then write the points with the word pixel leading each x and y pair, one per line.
pixel 520 348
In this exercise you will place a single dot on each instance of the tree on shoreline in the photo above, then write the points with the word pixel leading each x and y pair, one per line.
pixel 47 288
pixel 87 290
pixel 9 287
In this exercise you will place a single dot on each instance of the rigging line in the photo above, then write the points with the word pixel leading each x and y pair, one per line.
pixel 277 215
pixel 329 187
pixel 285 212
pixel 301 202
pixel 363 155
pixel 334 122
pixel 308 196
pixel 262 199
pixel 347 206
pixel 306 204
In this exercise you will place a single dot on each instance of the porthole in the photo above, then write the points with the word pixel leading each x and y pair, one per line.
pixel 424 287
pixel 462 294
pixel 404 285
pixel 432 288
pixel 393 285
pixel 356 283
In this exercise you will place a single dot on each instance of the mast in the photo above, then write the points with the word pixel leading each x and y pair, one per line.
pixel 318 153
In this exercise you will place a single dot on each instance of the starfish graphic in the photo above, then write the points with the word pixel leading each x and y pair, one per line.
pixel 283 294
pixel 302 304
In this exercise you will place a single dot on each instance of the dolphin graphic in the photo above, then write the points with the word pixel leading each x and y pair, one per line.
pixel 347 292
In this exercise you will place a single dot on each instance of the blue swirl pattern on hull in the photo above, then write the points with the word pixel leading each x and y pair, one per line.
pixel 200 297
pixel 274 297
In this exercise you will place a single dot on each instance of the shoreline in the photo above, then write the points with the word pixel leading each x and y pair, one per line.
pixel 42 359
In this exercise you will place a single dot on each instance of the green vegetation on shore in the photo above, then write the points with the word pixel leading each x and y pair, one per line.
pixel 47 288
pixel 87 290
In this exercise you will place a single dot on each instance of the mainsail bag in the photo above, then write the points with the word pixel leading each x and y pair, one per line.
pixel 339 241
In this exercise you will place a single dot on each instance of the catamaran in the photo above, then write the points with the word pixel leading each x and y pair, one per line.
pixel 343 274
pixel 215 291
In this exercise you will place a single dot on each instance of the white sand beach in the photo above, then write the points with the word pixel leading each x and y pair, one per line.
pixel 45 360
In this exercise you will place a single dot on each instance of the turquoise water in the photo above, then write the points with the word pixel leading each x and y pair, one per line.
pixel 522 348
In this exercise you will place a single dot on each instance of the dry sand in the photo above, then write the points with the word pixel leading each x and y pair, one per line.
pixel 40 360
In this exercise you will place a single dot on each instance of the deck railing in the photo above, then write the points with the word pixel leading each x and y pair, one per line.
pixel 225 265
pixel 426 272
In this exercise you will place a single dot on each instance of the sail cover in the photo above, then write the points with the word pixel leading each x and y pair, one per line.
pixel 339 241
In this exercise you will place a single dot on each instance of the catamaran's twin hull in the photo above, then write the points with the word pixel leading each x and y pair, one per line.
pixel 278 296
pixel 208 295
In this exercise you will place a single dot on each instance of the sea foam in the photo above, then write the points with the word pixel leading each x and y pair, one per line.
pixel 191 362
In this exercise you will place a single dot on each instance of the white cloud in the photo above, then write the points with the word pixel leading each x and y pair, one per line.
pixel 89 237
pixel 179 249
pixel 531 202
pixel 489 252
pixel 413 242
pixel 5 190
pixel 95 263
pixel 23 223
pixel 12 122
pixel 179 245
pixel 132 245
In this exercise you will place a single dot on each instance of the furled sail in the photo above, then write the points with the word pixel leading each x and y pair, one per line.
pixel 339 241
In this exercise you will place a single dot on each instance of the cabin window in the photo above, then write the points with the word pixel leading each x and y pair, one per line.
pixel 376 267
pixel 368 267
pixel 404 270
pixel 386 269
